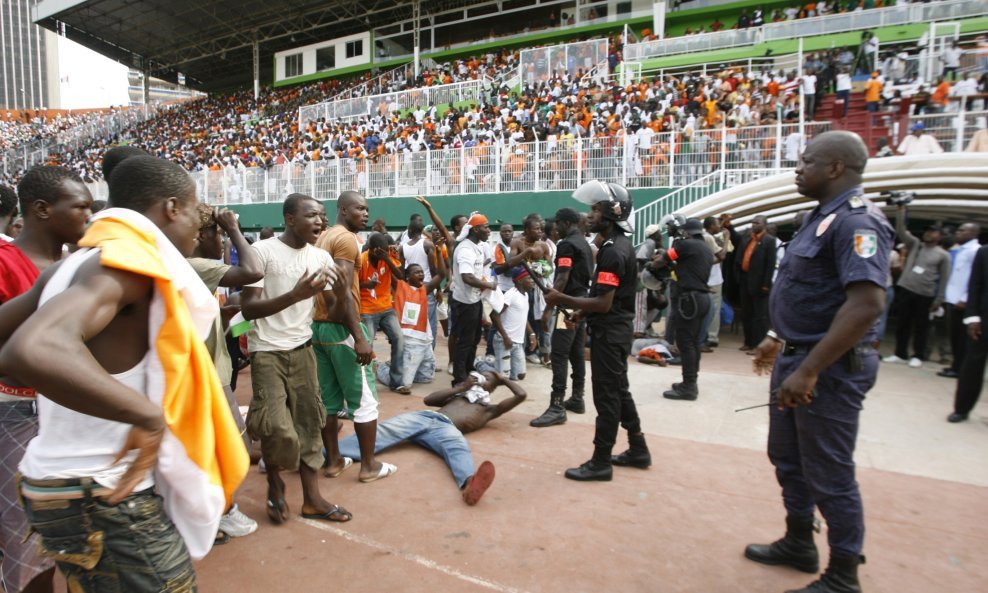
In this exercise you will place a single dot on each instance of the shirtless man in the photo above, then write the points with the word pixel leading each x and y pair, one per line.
pixel 464 408
pixel 95 407
pixel 539 259
pixel 56 206
pixel 343 347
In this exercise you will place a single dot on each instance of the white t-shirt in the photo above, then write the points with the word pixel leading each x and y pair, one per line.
pixel 809 84
pixel 843 81
pixel 283 266
pixel 472 258
pixel 514 316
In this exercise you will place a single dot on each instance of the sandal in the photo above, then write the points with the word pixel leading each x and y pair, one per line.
pixel 336 514
pixel 277 511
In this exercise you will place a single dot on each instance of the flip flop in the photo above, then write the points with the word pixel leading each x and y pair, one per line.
pixel 330 515
pixel 386 470
pixel 221 538
pixel 479 483
pixel 277 511
pixel 347 462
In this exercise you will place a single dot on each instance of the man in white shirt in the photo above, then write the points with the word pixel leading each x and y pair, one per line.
pixel 951 61
pixel 471 270
pixel 919 142
pixel 962 258
pixel 809 93
pixel 287 412
pixel 718 244
pixel 843 86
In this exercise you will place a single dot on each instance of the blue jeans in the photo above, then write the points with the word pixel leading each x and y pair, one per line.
pixel 426 429
pixel 387 321
pixel 430 301
pixel 418 363
pixel 517 364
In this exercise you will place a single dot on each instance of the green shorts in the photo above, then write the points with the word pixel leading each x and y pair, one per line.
pixel 285 412
pixel 341 379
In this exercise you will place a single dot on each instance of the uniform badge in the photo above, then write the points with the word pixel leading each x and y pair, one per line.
pixel 825 224
pixel 865 243
pixel 856 202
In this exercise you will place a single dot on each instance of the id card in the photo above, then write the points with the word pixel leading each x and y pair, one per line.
pixel 410 313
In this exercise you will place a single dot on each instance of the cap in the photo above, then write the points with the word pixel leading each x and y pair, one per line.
pixel 652 229
pixel 918 126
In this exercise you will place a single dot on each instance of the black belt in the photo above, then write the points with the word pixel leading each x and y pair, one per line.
pixel 306 344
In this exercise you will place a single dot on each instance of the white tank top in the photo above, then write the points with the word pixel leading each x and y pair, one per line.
pixel 73 445
pixel 415 254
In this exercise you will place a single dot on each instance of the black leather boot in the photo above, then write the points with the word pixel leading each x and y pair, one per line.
pixel 597 469
pixel 841 576
pixel 683 391
pixel 575 403
pixel 554 415
pixel 637 454
pixel 797 549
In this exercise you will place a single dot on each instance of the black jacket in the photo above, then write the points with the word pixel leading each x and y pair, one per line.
pixel 762 266
pixel 977 287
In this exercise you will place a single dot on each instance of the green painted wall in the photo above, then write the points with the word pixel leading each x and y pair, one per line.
pixel 509 207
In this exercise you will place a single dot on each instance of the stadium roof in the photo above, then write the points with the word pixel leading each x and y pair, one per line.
pixel 210 41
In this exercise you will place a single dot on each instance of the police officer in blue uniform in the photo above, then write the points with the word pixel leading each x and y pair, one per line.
pixel 609 311
pixel 824 306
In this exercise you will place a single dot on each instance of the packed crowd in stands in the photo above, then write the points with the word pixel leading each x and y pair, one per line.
pixel 234 132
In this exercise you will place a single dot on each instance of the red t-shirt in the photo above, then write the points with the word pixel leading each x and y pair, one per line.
pixel 17 272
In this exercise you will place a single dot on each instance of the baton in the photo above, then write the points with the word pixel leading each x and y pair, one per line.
pixel 753 407
pixel 542 287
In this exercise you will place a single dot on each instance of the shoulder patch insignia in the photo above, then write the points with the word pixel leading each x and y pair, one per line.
pixel 825 224
pixel 856 202
pixel 865 243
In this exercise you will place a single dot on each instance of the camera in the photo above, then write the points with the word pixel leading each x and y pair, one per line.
pixel 899 198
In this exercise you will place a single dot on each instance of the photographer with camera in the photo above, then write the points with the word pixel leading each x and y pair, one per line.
pixel 921 286
pixel 691 260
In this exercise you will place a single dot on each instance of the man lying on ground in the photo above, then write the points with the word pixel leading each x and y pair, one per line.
pixel 463 408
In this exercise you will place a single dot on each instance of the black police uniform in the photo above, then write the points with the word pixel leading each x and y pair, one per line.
pixel 611 334
pixel 845 241
pixel 691 303
pixel 573 254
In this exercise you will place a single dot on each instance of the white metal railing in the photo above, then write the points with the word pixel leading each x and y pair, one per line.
pixel 375 85
pixel 74 138
pixel 543 63
pixel 953 131
pixel 822 25
pixel 384 103
pixel 667 159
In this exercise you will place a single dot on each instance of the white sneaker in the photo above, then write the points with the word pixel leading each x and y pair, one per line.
pixel 915 362
pixel 893 358
pixel 237 524
pixel 261 467
pixel 449 369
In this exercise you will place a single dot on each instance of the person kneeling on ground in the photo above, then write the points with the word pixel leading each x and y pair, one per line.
pixel 411 305
pixel 463 408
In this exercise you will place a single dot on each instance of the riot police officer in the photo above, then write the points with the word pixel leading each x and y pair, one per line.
pixel 609 311
pixel 691 261
pixel 824 306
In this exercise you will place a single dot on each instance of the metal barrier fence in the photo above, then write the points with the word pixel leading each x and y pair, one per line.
pixel 953 131
pixel 822 25
pixel 381 104
pixel 644 160
pixel 542 63
pixel 74 138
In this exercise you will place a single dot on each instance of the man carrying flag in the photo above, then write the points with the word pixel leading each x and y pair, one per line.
pixel 134 390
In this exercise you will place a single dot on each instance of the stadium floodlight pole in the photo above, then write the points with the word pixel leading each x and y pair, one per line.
pixel 416 32
pixel 256 54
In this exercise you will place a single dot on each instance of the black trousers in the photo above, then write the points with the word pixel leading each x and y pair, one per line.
pixel 567 349
pixel 913 317
pixel 691 313
pixel 958 336
pixel 467 329
pixel 754 311
pixel 972 376
pixel 611 392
